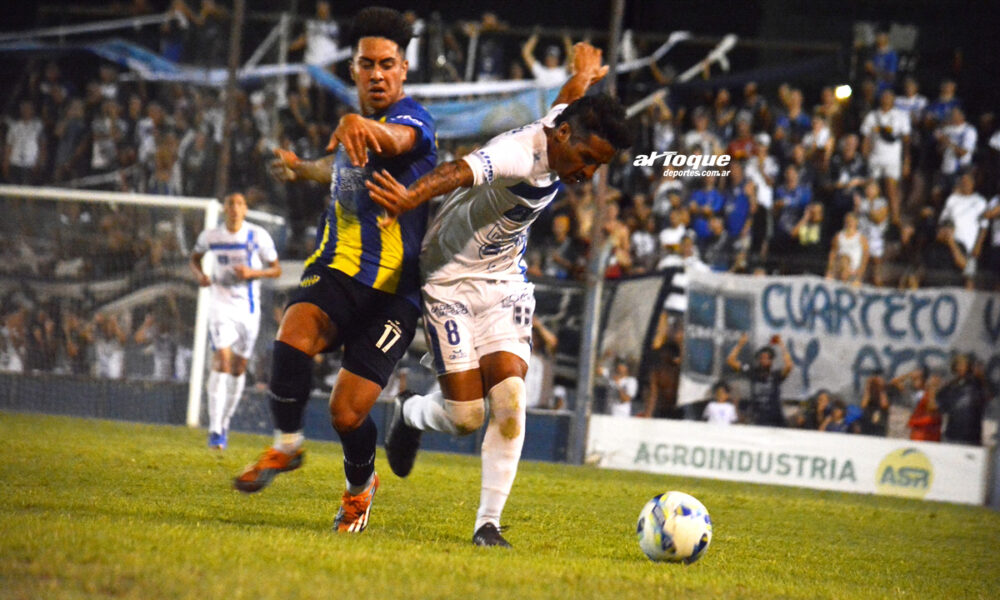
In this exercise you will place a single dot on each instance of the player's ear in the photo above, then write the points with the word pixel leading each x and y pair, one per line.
pixel 406 69
pixel 354 75
pixel 564 132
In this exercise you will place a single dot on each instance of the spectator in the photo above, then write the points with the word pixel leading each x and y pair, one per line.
pixel 944 259
pixel 109 347
pixel 987 249
pixel 540 378
pixel 700 139
pixel 884 63
pixel 24 154
pixel 813 411
pixel 704 204
pixel 763 407
pixel 847 174
pixel 912 102
pixel 717 249
pixel 670 237
pixel 941 109
pixel 848 259
pixel 106 132
pixel 790 201
pixel 887 144
pixel 721 410
pixel 965 209
pixel 925 421
pixel 741 147
pixel 837 421
pixel 795 123
pixel 963 400
pixel 910 386
pixel 550 72
pixel 622 387
pixel 819 143
pixel 957 141
pixel 873 224
pixel 644 245
pixel 811 243
pixel 319 40
pixel 875 407
pixel 664 373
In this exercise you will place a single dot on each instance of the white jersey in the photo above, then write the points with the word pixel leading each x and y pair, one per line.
pixel 251 246
pixel 887 129
pixel 480 232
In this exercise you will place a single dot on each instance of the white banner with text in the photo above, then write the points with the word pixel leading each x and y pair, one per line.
pixel 827 461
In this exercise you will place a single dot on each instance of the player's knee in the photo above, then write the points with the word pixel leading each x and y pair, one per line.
pixel 507 407
pixel 345 419
pixel 467 416
pixel 291 372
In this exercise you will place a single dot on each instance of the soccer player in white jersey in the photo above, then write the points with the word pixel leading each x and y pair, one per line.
pixel 477 301
pixel 244 253
pixel 887 140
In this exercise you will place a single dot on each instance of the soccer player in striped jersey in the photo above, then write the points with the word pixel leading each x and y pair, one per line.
pixel 244 253
pixel 478 303
pixel 360 289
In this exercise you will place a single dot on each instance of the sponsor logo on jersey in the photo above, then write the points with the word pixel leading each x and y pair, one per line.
pixel 308 281
pixel 517 299
pixel 449 310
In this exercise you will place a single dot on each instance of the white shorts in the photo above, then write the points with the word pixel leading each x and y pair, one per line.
pixel 885 165
pixel 236 332
pixel 470 318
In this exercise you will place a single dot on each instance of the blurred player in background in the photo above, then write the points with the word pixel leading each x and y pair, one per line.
pixel 478 303
pixel 244 253
pixel 360 289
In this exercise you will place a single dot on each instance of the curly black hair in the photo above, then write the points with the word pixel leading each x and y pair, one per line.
pixel 378 21
pixel 600 115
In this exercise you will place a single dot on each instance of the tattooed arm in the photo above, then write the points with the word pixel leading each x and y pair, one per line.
pixel 395 198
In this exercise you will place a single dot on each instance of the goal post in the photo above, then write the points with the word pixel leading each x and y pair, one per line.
pixel 35 224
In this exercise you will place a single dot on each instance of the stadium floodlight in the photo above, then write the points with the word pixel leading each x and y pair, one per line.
pixel 842 92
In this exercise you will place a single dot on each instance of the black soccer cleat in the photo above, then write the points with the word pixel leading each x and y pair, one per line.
pixel 401 440
pixel 489 536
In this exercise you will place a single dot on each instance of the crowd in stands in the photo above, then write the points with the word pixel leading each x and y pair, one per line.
pixel 889 186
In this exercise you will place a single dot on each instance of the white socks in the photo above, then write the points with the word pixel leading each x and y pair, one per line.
pixel 234 392
pixel 224 393
pixel 447 416
pixel 501 449
pixel 216 388
pixel 288 443
pixel 502 443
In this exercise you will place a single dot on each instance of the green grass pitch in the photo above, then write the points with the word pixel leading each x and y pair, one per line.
pixel 99 509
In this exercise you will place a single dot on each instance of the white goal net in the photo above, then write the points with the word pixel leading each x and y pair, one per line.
pixel 99 312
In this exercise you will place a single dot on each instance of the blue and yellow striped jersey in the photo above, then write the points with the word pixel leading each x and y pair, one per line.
pixel 350 239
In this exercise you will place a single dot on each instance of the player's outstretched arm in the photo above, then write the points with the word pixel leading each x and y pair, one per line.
pixel 395 198
pixel 289 167
pixel 358 135
pixel 587 70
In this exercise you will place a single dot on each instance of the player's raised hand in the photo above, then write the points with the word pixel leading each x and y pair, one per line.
pixel 356 137
pixel 283 169
pixel 587 60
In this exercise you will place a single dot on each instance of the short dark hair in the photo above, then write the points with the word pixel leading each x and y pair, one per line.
pixel 600 115
pixel 378 21
pixel 720 385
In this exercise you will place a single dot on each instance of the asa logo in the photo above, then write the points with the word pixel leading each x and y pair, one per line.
pixel 904 472
pixel 308 281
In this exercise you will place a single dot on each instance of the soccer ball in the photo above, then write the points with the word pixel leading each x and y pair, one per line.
pixel 674 527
